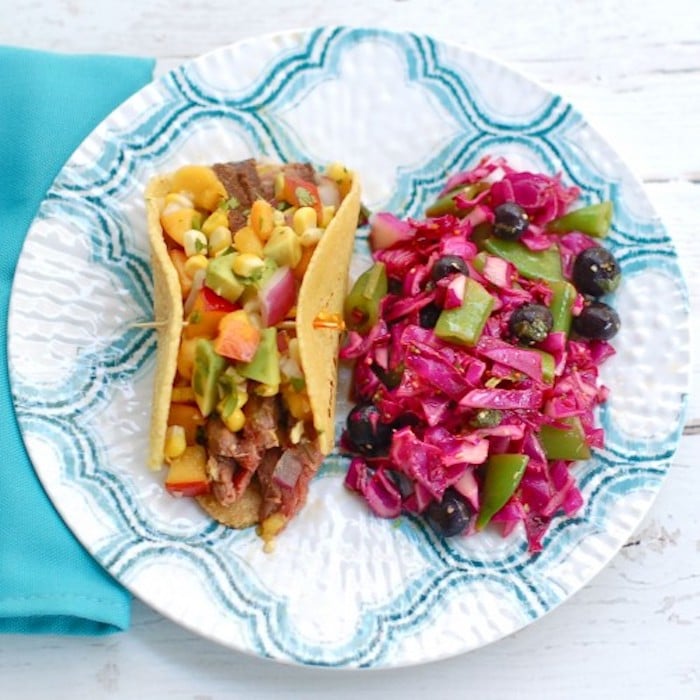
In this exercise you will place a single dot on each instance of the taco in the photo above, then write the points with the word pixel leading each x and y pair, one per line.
pixel 250 265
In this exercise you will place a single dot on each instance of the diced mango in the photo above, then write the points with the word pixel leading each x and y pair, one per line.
pixel 183 394
pixel 215 220
pixel 262 219
pixel 189 417
pixel 202 183
pixel 247 241
pixel 185 357
pixel 177 223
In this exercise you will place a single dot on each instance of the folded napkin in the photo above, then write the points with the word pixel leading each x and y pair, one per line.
pixel 48 104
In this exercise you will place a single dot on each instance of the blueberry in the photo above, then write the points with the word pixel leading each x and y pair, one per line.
pixel 448 265
pixel 510 221
pixel 366 431
pixel 530 323
pixel 450 516
pixel 597 321
pixel 596 272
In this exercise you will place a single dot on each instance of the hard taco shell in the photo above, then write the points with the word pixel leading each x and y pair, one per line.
pixel 322 292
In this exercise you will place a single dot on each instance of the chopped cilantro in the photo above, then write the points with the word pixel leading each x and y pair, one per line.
pixel 230 203
pixel 304 197
pixel 298 383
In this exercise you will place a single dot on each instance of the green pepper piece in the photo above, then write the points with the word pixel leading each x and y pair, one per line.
pixel 479 261
pixel 448 203
pixel 463 325
pixel 593 220
pixel 548 365
pixel 208 367
pixel 502 475
pixel 563 297
pixel 361 309
pixel 569 443
pixel 533 264
pixel 480 235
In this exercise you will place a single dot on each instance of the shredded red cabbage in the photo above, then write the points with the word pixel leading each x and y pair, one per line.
pixel 430 390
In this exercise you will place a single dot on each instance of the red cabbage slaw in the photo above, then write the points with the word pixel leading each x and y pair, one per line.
pixel 437 386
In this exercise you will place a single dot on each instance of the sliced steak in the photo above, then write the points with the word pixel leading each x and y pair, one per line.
pixel 301 171
pixel 230 480
pixel 242 182
pixel 284 478
pixel 221 442
pixel 262 423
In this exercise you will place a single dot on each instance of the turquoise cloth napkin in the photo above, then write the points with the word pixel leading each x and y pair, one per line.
pixel 48 104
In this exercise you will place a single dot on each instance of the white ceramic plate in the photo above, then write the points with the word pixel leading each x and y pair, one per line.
pixel 342 588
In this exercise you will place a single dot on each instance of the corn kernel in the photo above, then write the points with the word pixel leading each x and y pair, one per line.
pixel 194 242
pixel 297 432
pixel 271 526
pixel 279 218
pixel 196 262
pixel 266 390
pixel 311 236
pixel 328 214
pixel 219 240
pixel 262 219
pixel 235 421
pixel 246 265
pixel 175 442
pixel 304 218
pixel 241 396
pixel 337 171
pixel 214 220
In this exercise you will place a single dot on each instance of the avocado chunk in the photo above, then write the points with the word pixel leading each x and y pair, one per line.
pixel 265 365
pixel 283 247
pixel 221 279
pixel 208 367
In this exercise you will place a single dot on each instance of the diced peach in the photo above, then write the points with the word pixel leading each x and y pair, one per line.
pixel 202 183
pixel 238 338
pixel 187 475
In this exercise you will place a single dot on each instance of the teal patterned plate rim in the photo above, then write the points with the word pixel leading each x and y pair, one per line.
pixel 341 589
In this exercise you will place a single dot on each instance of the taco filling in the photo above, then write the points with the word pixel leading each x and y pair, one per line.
pixel 250 266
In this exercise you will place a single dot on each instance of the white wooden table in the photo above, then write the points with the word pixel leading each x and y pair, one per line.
pixel 633 68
